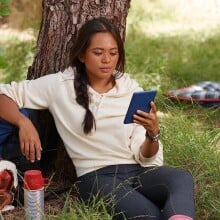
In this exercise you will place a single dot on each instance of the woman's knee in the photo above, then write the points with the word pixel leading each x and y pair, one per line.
pixel 135 206
pixel 172 175
pixel 182 177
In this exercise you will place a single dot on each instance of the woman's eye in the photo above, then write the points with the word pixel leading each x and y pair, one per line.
pixel 97 53
pixel 113 52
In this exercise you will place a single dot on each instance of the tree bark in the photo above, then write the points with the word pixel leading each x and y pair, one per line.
pixel 61 20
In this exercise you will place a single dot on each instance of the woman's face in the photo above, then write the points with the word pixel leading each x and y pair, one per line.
pixel 101 57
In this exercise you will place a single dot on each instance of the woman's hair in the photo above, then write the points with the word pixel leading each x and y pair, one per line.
pixel 89 29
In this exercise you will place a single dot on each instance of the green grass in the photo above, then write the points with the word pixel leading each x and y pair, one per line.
pixel 190 143
pixel 190 132
pixel 15 59
pixel 75 210
pixel 181 60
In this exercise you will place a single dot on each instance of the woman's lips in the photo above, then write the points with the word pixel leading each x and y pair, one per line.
pixel 106 69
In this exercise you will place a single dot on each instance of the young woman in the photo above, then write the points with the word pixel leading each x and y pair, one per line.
pixel 122 164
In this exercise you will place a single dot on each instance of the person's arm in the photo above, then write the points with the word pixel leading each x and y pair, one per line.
pixel 9 110
pixel 150 122
pixel 28 136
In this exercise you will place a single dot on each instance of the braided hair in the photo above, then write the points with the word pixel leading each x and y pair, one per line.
pixel 82 42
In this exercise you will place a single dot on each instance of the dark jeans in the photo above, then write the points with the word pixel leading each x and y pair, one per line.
pixel 134 192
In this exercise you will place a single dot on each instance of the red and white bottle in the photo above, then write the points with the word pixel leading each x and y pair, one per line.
pixel 34 195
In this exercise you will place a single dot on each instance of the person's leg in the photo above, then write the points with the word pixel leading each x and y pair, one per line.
pixel 122 200
pixel 170 188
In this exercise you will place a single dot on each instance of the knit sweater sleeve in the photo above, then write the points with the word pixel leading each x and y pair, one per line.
pixel 137 138
pixel 36 94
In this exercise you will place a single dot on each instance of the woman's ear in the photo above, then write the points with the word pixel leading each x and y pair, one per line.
pixel 81 58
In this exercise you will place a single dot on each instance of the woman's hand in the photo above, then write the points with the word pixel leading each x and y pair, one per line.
pixel 148 120
pixel 28 135
pixel 29 140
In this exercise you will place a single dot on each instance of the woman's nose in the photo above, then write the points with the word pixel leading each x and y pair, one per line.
pixel 106 58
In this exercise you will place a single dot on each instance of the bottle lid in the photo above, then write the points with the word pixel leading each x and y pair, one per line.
pixel 33 180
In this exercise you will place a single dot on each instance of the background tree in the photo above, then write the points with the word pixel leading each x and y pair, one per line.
pixel 61 21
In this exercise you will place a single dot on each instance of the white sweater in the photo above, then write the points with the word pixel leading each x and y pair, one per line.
pixel 111 143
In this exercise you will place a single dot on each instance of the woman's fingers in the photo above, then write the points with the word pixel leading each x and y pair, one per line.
pixel 38 150
pixel 153 107
pixel 30 145
pixel 152 114
pixel 148 120
pixel 32 151
pixel 22 147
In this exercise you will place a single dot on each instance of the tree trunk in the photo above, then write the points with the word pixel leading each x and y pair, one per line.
pixel 61 20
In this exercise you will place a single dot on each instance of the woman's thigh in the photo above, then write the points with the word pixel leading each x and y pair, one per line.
pixel 121 199
pixel 170 188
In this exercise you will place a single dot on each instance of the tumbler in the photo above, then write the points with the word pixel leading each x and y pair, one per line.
pixel 34 195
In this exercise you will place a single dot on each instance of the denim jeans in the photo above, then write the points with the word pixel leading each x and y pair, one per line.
pixel 134 192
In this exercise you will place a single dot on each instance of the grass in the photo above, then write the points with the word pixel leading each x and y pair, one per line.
pixel 73 210
pixel 190 132
pixel 15 60
pixel 191 144
pixel 163 61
